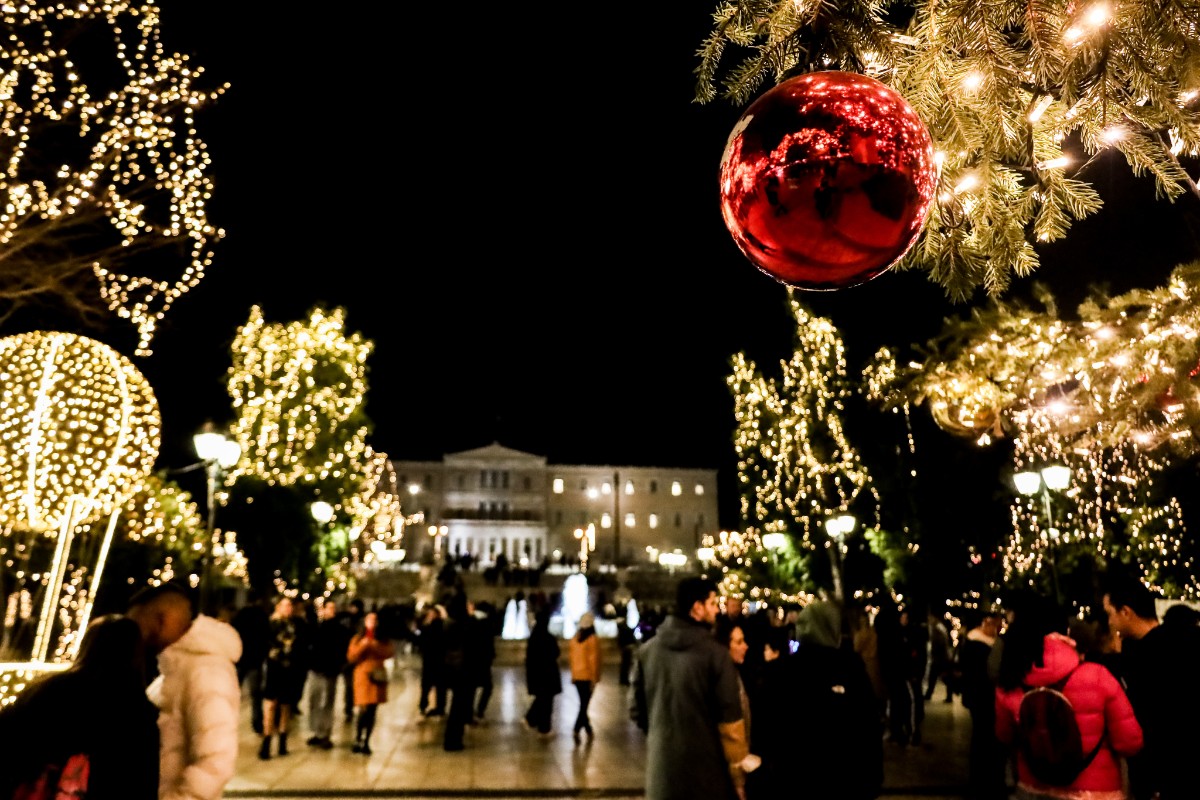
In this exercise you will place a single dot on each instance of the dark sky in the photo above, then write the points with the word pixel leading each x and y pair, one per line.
pixel 527 227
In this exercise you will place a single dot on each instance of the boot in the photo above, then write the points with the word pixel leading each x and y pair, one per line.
pixel 264 752
pixel 283 751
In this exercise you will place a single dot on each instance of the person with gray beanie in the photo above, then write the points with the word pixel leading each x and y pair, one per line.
pixel 823 690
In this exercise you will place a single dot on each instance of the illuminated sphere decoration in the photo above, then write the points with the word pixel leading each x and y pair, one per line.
pixel 826 180
pixel 79 430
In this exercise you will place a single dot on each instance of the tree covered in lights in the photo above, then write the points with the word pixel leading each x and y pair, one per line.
pixel 1018 97
pixel 1109 392
pixel 796 465
pixel 298 393
pixel 160 536
pixel 104 189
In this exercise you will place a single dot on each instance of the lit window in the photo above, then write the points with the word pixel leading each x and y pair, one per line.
pixel 606 488
pixel 676 488
pixel 605 520
pixel 628 487
pixel 558 485
pixel 699 488
pixel 654 520
pixel 630 520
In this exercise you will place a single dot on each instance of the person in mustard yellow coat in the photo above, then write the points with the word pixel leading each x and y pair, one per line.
pixel 368 650
pixel 584 653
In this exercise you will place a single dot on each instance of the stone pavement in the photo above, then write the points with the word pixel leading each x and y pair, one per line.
pixel 504 760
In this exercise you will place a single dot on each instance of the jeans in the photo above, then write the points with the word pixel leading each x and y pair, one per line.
pixel 541 712
pixel 322 690
pixel 484 692
pixel 582 723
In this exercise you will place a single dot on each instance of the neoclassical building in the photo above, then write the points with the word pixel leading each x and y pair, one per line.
pixel 494 500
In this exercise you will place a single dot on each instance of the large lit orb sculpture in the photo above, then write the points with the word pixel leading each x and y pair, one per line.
pixel 79 433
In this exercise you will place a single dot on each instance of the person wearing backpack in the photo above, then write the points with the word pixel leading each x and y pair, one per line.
pixel 1068 720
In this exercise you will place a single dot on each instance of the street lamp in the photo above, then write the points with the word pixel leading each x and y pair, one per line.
pixel 437 532
pixel 587 543
pixel 322 512
pixel 838 527
pixel 219 453
pixel 1056 477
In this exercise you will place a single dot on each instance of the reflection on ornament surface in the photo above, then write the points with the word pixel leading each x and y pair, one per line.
pixel 826 180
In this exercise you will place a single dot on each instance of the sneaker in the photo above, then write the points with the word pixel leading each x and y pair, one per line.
pixel 365 750
pixel 314 741
pixel 326 744
pixel 357 748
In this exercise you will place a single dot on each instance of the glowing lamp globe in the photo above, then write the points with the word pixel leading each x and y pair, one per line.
pixel 826 180
pixel 79 430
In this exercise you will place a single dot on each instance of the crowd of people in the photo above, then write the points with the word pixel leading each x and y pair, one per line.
pixel 739 706
pixel 735 705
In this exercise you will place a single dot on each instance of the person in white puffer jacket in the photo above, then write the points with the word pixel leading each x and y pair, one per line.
pixel 196 692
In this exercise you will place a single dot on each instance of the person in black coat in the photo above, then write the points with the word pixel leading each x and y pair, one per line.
pixel 830 694
pixel 326 660
pixel 543 678
pixel 97 707
pixel 431 643
pixel 253 624
pixel 481 654
pixel 458 672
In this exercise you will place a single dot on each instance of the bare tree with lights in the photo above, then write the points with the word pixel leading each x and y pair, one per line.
pixel 104 188
pixel 796 466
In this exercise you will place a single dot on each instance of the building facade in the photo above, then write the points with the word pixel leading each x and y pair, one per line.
pixel 494 500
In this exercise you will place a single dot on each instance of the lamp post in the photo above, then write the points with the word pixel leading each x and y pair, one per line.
pixel 218 452
pixel 617 520
pixel 587 543
pixel 837 528
pixel 438 532
pixel 1056 477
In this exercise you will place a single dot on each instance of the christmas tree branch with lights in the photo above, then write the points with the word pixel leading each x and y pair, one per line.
pixel 1018 98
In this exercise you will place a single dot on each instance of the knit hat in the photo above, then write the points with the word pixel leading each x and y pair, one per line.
pixel 820 623
pixel 587 620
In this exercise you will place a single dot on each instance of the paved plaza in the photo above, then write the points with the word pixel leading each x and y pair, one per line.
pixel 503 759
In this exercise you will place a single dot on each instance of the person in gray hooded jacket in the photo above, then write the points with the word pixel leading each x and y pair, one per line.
pixel 685 696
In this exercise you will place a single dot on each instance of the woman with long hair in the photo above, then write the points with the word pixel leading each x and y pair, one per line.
pixel 91 728
pixel 368 651
pixel 1037 652
pixel 279 677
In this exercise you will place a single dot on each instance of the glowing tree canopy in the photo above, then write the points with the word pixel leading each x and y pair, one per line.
pixel 104 173
pixel 298 391
pixel 1018 97
pixel 79 430
pixel 1111 394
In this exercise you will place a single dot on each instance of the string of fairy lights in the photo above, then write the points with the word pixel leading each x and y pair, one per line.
pixel 140 174
pixel 796 466
pixel 1111 395
pixel 79 432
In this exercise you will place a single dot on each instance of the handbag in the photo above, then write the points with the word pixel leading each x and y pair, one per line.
pixel 379 675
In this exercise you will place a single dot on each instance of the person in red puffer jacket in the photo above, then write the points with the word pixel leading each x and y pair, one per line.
pixel 1038 653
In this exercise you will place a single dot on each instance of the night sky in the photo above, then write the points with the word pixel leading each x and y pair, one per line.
pixel 527 227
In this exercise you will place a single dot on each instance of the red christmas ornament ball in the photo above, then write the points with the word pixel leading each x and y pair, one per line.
pixel 826 180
